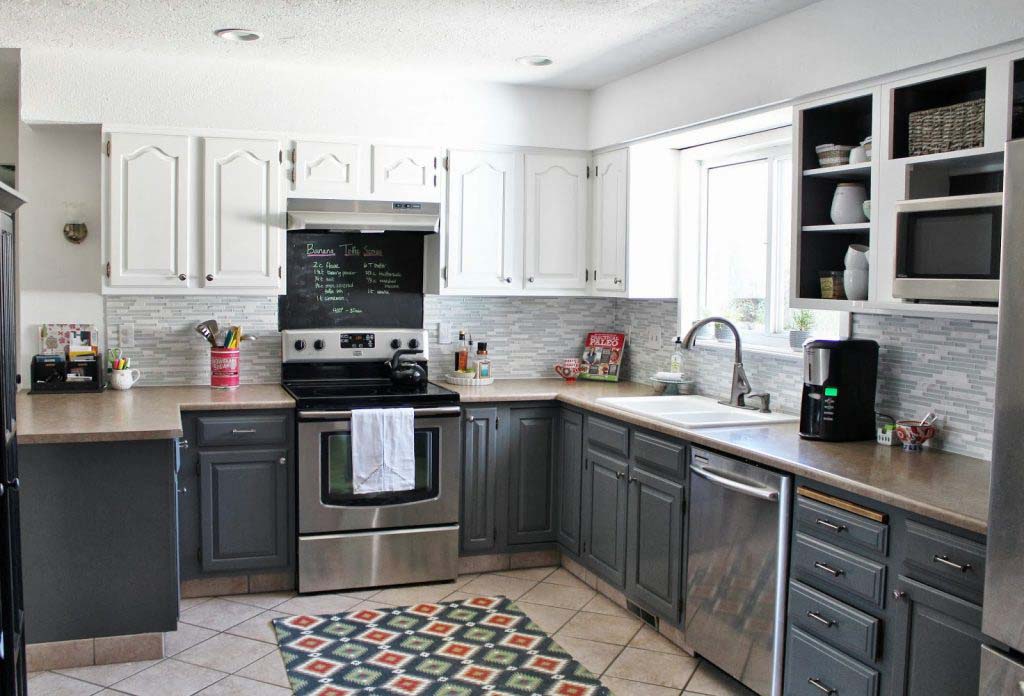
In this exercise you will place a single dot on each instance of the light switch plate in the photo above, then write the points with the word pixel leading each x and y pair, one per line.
pixel 126 335
pixel 444 333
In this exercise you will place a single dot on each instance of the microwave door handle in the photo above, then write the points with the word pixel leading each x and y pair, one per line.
pixel 418 412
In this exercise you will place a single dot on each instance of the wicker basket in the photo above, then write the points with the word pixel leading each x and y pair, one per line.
pixel 947 128
pixel 833 155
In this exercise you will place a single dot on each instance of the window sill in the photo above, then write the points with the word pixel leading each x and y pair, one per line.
pixel 749 348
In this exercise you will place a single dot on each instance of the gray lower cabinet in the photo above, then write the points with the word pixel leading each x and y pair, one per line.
pixel 478 523
pixel 604 516
pixel 570 478
pixel 654 549
pixel 532 446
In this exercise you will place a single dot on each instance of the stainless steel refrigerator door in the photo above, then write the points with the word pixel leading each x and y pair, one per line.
pixel 736 568
pixel 1000 675
pixel 1003 617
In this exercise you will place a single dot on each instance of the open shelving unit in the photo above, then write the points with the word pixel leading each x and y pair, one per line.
pixel 931 94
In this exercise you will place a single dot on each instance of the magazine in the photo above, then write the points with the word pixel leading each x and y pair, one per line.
pixel 602 356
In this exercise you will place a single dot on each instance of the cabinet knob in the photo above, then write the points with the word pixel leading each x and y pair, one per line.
pixel 530 279
pixel 183 444
pixel 183 490
pixel 14 484
pixel 282 461
pixel 899 594
pixel 508 279
pixel 470 419
pixel 209 276
pixel 618 281
pixel 182 277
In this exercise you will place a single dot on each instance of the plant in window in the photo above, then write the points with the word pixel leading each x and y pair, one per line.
pixel 801 321
pixel 748 312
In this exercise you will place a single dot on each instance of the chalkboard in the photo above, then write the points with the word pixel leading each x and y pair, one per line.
pixel 353 279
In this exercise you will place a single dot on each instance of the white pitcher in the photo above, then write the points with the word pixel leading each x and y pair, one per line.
pixel 848 204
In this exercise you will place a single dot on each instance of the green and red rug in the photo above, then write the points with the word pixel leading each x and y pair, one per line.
pixel 481 645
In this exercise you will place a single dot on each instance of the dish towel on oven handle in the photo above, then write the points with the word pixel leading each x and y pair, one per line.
pixel 383 456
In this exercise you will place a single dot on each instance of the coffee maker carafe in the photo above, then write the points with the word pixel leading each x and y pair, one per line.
pixel 838 402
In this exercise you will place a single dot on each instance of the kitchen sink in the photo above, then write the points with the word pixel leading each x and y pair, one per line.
pixel 694 411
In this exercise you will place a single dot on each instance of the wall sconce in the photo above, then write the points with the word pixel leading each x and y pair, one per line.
pixel 75 232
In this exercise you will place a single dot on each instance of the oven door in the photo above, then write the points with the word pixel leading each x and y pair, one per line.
pixel 327 501
pixel 948 248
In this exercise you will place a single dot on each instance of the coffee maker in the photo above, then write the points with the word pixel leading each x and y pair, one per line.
pixel 838 401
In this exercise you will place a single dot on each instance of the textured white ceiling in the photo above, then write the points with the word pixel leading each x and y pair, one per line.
pixel 592 41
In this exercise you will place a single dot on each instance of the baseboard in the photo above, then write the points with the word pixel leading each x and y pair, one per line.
pixel 86 652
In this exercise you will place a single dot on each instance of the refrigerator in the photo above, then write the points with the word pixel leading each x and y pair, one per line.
pixel 1002 661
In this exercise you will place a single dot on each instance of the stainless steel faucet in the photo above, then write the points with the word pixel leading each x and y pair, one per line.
pixel 740 390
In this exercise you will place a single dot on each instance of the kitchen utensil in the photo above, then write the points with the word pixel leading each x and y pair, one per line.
pixel 929 419
pixel 856 257
pixel 208 330
pixel 406 373
pixel 848 204
pixel 855 284
pixel 568 369
pixel 123 380
pixel 914 434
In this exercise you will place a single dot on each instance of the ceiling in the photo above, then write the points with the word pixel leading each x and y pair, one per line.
pixel 591 41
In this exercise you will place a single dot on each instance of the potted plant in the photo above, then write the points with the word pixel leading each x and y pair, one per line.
pixel 801 322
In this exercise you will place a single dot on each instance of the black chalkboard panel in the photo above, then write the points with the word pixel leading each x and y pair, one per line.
pixel 353 279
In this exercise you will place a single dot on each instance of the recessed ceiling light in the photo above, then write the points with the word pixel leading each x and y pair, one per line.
pixel 534 61
pixel 244 35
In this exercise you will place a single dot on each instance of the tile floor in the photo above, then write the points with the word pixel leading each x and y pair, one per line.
pixel 225 645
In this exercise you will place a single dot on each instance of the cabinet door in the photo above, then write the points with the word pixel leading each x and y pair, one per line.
pixel 570 479
pixel 243 226
pixel 938 642
pixel 148 210
pixel 654 550
pixel 556 222
pixel 244 509
pixel 604 516
pixel 401 172
pixel 326 169
pixel 478 522
pixel 531 437
pixel 484 239
pixel 608 235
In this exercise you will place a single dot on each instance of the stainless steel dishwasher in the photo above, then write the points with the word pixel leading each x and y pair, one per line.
pixel 736 568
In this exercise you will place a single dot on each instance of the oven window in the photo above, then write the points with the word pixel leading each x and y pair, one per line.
pixel 951 244
pixel 336 471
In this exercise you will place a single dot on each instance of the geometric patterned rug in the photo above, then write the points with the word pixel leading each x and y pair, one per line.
pixel 482 645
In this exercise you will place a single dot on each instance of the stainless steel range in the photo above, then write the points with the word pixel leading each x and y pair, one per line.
pixel 349 540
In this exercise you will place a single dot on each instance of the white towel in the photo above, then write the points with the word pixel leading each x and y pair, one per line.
pixel 383 454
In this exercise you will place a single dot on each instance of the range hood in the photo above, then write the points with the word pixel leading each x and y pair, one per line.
pixel 362 216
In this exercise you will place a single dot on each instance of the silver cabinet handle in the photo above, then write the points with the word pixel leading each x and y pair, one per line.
pixel 834 572
pixel 182 444
pixel 243 431
pixel 733 485
pixel 418 412
pixel 821 686
pixel 944 560
pixel 831 525
pixel 820 619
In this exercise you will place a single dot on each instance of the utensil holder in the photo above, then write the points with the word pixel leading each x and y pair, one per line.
pixel 224 368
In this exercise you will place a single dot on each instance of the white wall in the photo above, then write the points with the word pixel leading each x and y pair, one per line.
pixel 8 133
pixel 59 281
pixel 830 43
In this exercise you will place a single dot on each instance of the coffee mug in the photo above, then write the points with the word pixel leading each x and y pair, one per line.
pixel 123 380
pixel 568 369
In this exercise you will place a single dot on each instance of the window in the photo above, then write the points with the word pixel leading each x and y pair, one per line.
pixel 744 192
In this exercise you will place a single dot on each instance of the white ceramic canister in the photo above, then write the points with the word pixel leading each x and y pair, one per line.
pixel 858 155
pixel 855 282
pixel 848 204
pixel 856 257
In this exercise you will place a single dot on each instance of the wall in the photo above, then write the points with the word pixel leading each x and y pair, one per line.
pixel 8 133
pixel 826 44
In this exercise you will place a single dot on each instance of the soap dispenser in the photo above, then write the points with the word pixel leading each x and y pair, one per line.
pixel 675 363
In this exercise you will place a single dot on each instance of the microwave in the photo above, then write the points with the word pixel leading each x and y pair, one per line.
pixel 947 249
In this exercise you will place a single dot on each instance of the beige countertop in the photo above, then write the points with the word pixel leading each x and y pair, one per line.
pixel 141 413
pixel 948 487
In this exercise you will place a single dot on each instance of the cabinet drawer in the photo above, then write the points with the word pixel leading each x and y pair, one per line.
pixel 838 569
pixel 840 527
pixel 218 431
pixel 940 554
pixel 666 457
pixel 608 435
pixel 814 669
pixel 833 621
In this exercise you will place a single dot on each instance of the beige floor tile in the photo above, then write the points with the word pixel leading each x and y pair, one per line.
pixel 466 578
pixel 240 686
pixel 457 596
pixel 593 655
pixel 711 681
pixel 317 604
pixel 414 594
pixel 360 594
pixel 564 577
pixel 578 570
pixel 372 604
pixel 624 687
pixel 652 667
pixel 616 630
pixel 602 605
pixel 497 585
pixel 269 669
pixel 649 639
pixel 258 627
pixel 559 595
pixel 219 614
pixel 266 600
pixel 169 678
pixel 535 574
pixel 107 675
pixel 548 618
pixel 111 650
pixel 53 684
pixel 226 653
pixel 185 637
pixel 187 603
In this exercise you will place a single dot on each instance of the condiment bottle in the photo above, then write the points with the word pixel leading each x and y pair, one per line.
pixel 462 354
pixel 483 363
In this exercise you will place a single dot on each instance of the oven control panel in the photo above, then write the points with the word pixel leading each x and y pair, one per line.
pixel 323 345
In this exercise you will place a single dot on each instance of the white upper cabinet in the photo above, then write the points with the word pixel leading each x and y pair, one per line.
pixel 243 221
pixel 329 170
pixel 484 238
pixel 556 222
pixel 405 173
pixel 148 218
pixel 608 234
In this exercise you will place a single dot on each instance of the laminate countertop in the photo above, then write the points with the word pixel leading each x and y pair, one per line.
pixel 948 487
pixel 141 413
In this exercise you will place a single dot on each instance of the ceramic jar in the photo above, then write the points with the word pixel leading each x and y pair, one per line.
pixel 856 257
pixel 123 380
pixel 848 204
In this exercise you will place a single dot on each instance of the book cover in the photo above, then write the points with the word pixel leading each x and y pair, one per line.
pixel 602 356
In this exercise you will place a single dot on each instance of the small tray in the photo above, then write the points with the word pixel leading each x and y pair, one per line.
pixel 681 387
pixel 461 381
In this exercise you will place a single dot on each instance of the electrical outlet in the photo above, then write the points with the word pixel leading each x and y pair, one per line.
pixel 654 337
pixel 444 333
pixel 126 335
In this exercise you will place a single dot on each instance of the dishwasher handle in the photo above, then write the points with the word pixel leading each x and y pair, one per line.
pixel 734 485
